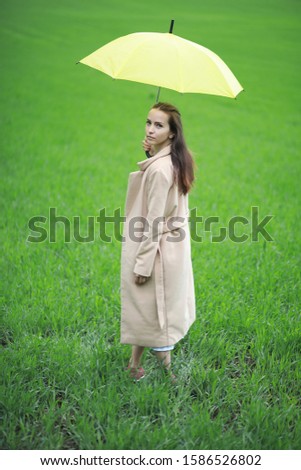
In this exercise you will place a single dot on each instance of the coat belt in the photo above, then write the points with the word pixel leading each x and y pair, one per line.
pixel 159 278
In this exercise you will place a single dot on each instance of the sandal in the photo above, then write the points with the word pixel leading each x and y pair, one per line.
pixel 136 373
pixel 171 376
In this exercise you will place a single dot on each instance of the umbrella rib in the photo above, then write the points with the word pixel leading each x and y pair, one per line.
pixel 180 88
pixel 129 56
pixel 180 71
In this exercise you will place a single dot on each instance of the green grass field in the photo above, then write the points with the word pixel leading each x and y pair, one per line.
pixel 69 138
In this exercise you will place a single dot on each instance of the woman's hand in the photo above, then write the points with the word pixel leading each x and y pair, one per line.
pixel 147 147
pixel 140 279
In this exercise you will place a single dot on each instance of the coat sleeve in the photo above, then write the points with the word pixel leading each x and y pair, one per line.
pixel 157 192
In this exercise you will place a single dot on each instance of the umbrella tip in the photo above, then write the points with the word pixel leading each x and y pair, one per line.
pixel 171 26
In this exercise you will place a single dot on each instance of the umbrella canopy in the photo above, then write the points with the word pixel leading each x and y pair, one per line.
pixel 165 60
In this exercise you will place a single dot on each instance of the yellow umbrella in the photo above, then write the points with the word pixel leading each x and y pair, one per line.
pixel 165 60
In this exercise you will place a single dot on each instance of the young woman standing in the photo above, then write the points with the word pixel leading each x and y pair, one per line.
pixel 157 289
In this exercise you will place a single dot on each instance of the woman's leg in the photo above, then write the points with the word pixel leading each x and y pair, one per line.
pixel 164 357
pixel 136 356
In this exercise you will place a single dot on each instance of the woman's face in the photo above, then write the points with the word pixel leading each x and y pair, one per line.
pixel 157 129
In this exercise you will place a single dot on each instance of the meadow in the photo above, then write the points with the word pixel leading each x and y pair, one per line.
pixel 70 136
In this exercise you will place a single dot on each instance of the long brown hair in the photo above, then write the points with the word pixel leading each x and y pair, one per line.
pixel 180 155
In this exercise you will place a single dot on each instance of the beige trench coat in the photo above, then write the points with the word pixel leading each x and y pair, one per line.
pixel 156 244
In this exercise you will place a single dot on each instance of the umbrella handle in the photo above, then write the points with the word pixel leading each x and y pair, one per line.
pixel 148 154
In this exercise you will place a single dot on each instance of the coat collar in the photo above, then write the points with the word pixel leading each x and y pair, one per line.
pixel 143 165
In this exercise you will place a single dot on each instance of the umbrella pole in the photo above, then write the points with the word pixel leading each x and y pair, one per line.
pixel 158 94
pixel 159 89
pixel 170 32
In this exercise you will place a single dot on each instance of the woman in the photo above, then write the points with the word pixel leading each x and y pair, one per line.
pixel 157 290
